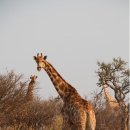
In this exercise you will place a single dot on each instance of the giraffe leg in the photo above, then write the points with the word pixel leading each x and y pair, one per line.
pixel 79 127
pixel 65 125
pixel 80 121
pixel 91 122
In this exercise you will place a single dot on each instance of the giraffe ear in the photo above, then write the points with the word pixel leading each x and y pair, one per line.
pixel 45 57
pixel 36 77
pixel 35 57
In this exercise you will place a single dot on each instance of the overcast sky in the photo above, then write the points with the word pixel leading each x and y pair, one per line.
pixel 74 34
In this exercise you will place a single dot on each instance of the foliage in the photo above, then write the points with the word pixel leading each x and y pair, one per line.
pixel 116 76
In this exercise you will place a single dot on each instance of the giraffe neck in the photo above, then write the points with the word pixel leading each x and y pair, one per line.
pixel 29 94
pixel 61 86
pixel 109 98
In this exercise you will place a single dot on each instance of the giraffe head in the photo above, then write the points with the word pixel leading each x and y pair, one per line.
pixel 41 61
pixel 33 78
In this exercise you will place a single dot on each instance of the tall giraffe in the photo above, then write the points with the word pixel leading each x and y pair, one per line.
pixel 111 103
pixel 78 114
pixel 29 94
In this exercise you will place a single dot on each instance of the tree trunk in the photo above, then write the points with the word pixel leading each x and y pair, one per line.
pixel 125 118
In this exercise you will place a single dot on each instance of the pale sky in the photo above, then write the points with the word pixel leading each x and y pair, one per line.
pixel 74 34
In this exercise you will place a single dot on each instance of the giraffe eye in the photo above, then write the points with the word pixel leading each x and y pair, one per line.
pixel 38 68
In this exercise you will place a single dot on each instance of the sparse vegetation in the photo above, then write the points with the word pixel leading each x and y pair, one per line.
pixel 18 114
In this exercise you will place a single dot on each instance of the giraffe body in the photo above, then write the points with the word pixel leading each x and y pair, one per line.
pixel 111 103
pixel 29 94
pixel 78 114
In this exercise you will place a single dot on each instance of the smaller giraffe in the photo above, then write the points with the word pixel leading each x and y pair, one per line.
pixel 28 99
pixel 111 103
pixel 29 94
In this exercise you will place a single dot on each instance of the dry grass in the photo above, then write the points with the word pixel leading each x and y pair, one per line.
pixel 17 114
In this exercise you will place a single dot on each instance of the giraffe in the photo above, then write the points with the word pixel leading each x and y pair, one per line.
pixel 29 94
pixel 78 114
pixel 22 113
pixel 111 103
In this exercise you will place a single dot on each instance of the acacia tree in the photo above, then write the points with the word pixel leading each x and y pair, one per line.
pixel 116 76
